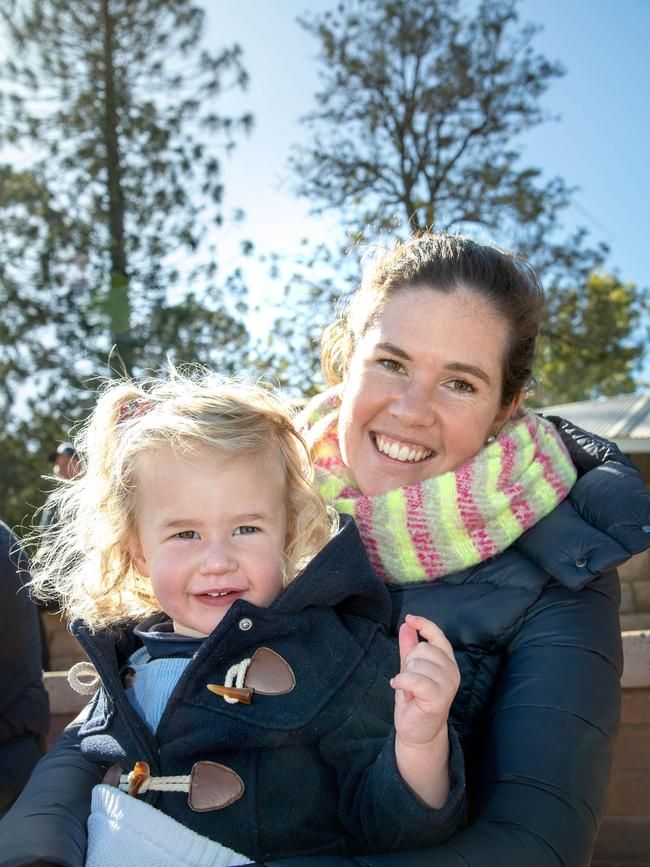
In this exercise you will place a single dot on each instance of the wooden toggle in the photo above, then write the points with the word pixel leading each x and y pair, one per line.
pixel 245 694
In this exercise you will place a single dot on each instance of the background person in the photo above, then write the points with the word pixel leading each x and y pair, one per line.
pixel 66 465
pixel 24 709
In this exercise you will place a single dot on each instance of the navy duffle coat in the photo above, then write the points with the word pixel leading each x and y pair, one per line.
pixel 318 762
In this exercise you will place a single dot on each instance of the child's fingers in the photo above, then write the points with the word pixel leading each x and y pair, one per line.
pixel 438 669
pixel 429 631
pixel 432 696
pixel 408 639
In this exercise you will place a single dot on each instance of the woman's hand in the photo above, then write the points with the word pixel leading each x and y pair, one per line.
pixel 424 690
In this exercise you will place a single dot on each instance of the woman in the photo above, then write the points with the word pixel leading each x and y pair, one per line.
pixel 428 367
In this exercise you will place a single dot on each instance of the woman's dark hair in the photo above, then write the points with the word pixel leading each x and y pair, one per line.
pixel 443 263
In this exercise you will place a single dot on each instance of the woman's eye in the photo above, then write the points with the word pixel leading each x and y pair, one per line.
pixel 391 365
pixel 187 534
pixel 463 386
pixel 245 530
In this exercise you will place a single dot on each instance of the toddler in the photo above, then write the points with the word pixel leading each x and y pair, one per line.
pixel 247 702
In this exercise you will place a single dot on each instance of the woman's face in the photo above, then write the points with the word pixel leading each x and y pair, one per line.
pixel 422 390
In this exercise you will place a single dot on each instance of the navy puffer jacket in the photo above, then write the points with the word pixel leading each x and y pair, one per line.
pixel 536 634
pixel 24 711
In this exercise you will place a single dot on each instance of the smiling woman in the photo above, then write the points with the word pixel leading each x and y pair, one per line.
pixel 475 514
pixel 469 509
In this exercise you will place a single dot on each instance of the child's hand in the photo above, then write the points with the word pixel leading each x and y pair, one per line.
pixel 426 685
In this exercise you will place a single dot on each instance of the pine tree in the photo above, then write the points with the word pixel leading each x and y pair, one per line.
pixel 110 119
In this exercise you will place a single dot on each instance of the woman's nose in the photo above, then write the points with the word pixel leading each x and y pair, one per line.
pixel 414 406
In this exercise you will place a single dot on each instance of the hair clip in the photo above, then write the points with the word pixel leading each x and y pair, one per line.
pixel 132 408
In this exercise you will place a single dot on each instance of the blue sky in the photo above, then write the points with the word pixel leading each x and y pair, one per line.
pixel 599 144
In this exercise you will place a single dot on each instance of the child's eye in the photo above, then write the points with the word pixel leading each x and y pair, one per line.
pixel 187 534
pixel 390 364
pixel 245 530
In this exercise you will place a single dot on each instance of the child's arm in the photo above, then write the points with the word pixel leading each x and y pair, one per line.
pixel 378 808
pixel 424 690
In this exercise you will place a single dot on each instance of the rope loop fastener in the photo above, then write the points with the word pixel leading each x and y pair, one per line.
pixel 84 669
pixel 139 781
pixel 233 690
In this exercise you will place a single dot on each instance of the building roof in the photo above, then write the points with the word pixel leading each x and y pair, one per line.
pixel 624 419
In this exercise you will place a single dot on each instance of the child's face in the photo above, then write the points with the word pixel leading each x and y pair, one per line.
pixel 210 532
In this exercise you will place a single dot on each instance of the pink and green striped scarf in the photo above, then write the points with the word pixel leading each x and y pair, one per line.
pixel 449 522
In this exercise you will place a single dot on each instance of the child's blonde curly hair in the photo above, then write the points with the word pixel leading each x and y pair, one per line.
pixel 84 561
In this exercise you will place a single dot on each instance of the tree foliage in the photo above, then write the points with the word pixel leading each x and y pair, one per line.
pixel 420 123
pixel 593 341
pixel 417 117
pixel 110 118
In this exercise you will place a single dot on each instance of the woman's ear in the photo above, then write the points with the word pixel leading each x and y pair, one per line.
pixel 137 556
pixel 507 412
pixel 515 405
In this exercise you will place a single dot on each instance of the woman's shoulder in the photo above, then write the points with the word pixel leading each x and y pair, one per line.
pixel 602 523
pixel 486 606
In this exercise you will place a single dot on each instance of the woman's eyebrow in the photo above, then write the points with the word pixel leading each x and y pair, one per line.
pixel 462 367
pixel 393 350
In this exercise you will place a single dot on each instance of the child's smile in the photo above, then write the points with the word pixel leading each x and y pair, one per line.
pixel 210 532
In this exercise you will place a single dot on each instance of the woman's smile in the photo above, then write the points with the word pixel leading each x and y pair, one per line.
pixel 400 451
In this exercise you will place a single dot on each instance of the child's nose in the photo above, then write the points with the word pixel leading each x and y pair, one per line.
pixel 217 559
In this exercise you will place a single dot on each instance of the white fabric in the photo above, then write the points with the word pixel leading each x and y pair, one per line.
pixel 126 832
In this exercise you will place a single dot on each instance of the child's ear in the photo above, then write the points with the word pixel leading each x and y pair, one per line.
pixel 137 556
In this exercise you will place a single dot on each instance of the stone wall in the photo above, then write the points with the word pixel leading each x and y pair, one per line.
pixel 635 574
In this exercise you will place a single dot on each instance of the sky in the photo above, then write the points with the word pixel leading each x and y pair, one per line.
pixel 599 144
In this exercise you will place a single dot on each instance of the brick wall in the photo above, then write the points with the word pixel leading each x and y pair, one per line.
pixel 635 592
pixel 64 648
pixel 624 837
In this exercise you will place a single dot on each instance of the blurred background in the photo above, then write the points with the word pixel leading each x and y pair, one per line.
pixel 202 181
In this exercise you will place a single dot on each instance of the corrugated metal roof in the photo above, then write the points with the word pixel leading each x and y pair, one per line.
pixel 624 417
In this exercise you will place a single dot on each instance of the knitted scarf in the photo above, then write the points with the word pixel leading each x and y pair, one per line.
pixel 449 522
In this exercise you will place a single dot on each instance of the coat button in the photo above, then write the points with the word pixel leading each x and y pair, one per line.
pixel 646 528
pixel 245 624
pixel 580 563
pixel 127 676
